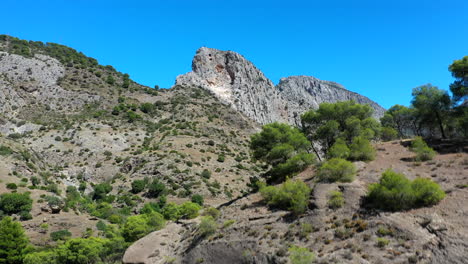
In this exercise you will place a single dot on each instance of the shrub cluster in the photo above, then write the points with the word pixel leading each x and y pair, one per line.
pixel 291 195
pixel 422 150
pixel 396 192
pixel 337 169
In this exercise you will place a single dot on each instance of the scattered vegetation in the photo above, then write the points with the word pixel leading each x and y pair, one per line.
pixel 422 150
pixel 291 195
pixel 337 169
pixel 396 192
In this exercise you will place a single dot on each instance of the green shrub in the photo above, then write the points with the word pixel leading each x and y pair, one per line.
pixel 198 199
pixel 388 134
pixel 14 243
pixel 206 174
pixel 171 211
pixel 207 226
pixel 361 149
pixel 138 226
pixel 60 235
pixel 13 203
pixel 11 186
pixel 5 151
pixel 298 255
pixel 283 147
pixel 138 186
pixel 189 210
pixel 339 150
pixel 337 169
pixel 395 192
pixel 382 242
pixel 211 211
pixel 101 190
pixel 336 200
pixel 422 150
pixel 155 189
pixel 291 195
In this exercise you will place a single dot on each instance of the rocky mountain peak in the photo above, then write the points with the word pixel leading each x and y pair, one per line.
pixel 238 83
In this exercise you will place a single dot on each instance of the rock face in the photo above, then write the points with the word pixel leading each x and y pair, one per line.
pixel 238 83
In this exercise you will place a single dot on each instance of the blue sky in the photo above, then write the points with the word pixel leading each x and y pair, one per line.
pixel 381 49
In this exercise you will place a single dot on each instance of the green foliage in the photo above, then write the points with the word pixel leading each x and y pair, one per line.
pixel 336 200
pixel 400 118
pixel 459 70
pixel 207 226
pixel 198 199
pixel 13 203
pixel 60 235
pixel 171 211
pixel 298 255
pixel 339 150
pixel 345 120
pixel 291 195
pixel 283 147
pixel 5 151
pixel 11 186
pixel 395 192
pixel 206 174
pixel 382 242
pixel 14 244
pixel 101 190
pixel 138 226
pixel 432 105
pixel 361 149
pixel 155 189
pixel 337 170
pixel 138 186
pixel 422 150
pixel 388 134
pixel 189 210
pixel 211 211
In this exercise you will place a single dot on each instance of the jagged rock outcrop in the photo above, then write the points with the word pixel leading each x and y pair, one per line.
pixel 237 82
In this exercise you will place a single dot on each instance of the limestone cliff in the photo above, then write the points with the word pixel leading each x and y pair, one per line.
pixel 237 82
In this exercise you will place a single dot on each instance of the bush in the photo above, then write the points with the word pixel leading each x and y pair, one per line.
pixel 337 169
pixel 422 150
pixel 211 211
pixel 60 235
pixel 382 242
pixel 361 149
pixel 5 151
pixel 155 189
pixel 11 186
pixel 395 192
pixel 336 200
pixel 388 134
pixel 101 190
pixel 138 186
pixel 207 226
pixel 171 211
pixel 138 226
pixel 283 147
pixel 198 199
pixel 13 203
pixel 291 195
pixel 339 150
pixel 189 210
pixel 298 255
pixel 14 244
pixel 206 174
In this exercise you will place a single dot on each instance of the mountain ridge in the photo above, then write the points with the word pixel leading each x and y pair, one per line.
pixel 240 84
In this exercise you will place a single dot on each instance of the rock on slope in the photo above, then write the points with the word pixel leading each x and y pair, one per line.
pixel 238 83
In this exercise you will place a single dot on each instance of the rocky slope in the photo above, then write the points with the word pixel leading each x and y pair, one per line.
pixel 258 234
pixel 238 83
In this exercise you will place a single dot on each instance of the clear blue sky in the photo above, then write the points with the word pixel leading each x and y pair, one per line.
pixel 381 49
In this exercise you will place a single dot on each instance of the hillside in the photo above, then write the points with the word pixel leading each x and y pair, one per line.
pixel 105 160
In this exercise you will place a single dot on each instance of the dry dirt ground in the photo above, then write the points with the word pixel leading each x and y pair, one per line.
pixel 437 234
